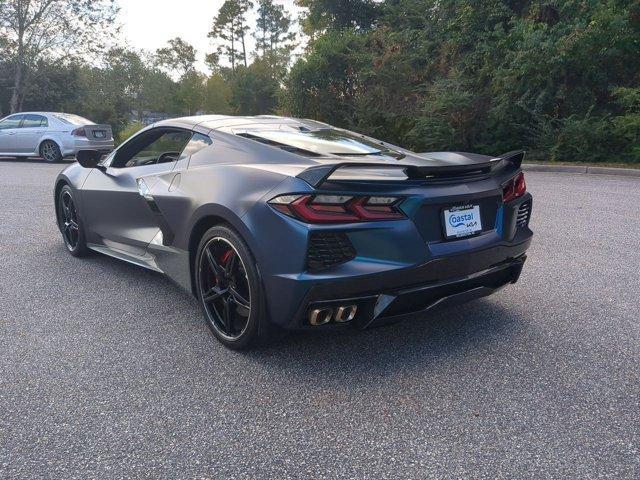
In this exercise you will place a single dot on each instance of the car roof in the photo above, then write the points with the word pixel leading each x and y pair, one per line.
pixel 215 122
pixel 44 114
pixel 38 113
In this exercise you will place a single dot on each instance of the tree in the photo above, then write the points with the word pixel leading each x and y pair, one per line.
pixel 191 92
pixel 327 83
pixel 218 95
pixel 177 57
pixel 158 92
pixel 35 28
pixel 253 90
pixel 55 86
pixel 273 36
pixel 272 28
pixel 229 28
pixel 321 15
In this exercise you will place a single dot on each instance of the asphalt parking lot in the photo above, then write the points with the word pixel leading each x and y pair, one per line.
pixel 108 371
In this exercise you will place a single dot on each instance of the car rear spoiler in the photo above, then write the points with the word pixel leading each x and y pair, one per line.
pixel 319 174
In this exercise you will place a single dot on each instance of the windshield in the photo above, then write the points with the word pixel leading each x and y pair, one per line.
pixel 323 142
pixel 71 119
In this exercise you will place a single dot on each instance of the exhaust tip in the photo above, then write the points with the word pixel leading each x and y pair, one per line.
pixel 346 313
pixel 320 316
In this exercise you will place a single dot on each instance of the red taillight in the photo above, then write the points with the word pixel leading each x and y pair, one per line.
pixel 79 132
pixel 337 208
pixel 516 188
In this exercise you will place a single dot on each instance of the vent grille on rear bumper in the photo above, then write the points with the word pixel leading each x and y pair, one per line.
pixel 329 249
pixel 524 214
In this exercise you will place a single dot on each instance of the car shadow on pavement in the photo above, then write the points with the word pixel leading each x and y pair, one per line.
pixel 411 344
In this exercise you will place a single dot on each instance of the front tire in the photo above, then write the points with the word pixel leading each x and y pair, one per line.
pixel 70 224
pixel 50 152
pixel 229 289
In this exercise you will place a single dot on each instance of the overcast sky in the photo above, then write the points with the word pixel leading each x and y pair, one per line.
pixel 149 24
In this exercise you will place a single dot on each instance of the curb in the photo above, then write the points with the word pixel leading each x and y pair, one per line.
pixel 622 172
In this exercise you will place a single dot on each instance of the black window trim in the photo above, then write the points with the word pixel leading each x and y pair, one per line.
pixel 145 132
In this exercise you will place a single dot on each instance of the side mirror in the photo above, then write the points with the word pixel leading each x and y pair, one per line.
pixel 89 158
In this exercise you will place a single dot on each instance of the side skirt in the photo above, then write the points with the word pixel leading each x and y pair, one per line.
pixel 146 261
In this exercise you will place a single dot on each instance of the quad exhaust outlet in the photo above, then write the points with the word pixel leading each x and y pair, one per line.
pixel 346 313
pixel 341 314
pixel 320 316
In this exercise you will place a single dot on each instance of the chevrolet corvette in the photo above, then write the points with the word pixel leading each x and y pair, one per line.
pixel 279 223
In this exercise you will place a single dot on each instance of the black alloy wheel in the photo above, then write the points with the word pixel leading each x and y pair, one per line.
pixel 229 288
pixel 69 223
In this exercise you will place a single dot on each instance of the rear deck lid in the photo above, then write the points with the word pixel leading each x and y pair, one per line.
pixel 99 133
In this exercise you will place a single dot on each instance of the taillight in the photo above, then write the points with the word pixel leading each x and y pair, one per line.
pixel 79 132
pixel 516 188
pixel 337 208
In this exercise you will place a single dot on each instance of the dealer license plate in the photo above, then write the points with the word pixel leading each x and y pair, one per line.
pixel 462 221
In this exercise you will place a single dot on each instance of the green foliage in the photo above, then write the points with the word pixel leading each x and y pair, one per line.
pixel 177 57
pixel 45 30
pixel 627 125
pixel 580 137
pixel 327 84
pixel 253 90
pixel 272 27
pixel 229 30
pixel 218 95
pixel 128 131
pixel 559 79
pixel 322 15
pixel 191 92
pixel 274 38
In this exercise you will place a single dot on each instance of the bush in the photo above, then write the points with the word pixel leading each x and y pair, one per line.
pixel 627 125
pixel 128 131
pixel 583 139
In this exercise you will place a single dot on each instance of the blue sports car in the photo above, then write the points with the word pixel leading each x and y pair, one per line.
pixel 281 223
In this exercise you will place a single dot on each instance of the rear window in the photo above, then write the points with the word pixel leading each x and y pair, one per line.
pixel 34 121
pixel 322 142
pixel 71 119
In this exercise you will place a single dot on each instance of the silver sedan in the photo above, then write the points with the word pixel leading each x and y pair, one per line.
pixel 51 136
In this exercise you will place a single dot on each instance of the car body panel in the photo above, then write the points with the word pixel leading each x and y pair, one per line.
pixel 231 182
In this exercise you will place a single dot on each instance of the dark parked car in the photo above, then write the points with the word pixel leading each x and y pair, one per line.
pixel 279 223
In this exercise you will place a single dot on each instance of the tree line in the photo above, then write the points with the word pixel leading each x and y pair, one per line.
pixel 558 78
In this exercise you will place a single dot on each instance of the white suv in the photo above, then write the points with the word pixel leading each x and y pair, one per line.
pixel 51 136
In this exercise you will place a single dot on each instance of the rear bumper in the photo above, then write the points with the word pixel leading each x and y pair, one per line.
pixel 396 304
pixel 393 294
pixel 86 144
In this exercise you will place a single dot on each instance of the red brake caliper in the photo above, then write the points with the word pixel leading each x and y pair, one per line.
pixel 224 260
pixel 226 257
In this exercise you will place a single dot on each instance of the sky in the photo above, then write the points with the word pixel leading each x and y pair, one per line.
pixel 149 24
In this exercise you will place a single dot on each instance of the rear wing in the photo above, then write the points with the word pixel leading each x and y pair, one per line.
pixel 319 174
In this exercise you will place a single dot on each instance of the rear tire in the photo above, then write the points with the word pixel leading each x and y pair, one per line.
pixel 50 152
pixel 70 224
pixel 229 289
